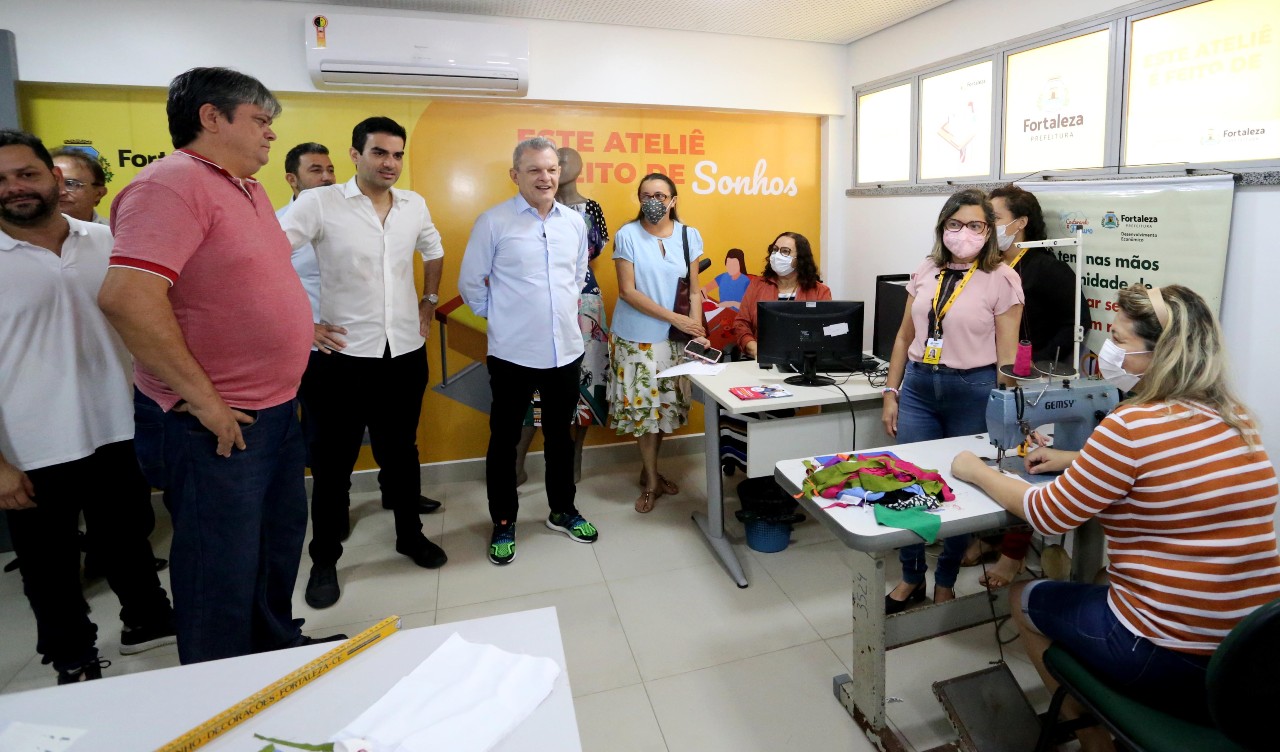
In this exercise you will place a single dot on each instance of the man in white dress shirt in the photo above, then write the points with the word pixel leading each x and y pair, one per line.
pixel 66 423
pixel 365 233
pixel 524 265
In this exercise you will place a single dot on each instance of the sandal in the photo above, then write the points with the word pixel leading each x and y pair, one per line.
pixel 665 487
pixel 645 503
pixel 986 553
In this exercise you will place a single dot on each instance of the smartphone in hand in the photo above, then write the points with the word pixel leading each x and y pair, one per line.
pixel 695 349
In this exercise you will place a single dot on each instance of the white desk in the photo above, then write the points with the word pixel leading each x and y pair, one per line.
pixel 874 632
pixel 774 440
pixel 146 710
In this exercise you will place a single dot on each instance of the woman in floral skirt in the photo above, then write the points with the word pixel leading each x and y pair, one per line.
pixel 651 259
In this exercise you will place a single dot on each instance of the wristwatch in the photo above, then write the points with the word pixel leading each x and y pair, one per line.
pixel 431 298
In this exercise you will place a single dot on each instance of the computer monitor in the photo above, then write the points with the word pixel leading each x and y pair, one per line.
pixel 810 336
pixel 891 301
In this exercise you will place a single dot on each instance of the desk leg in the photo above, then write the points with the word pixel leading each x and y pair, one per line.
pixel 712 523
pixel 444 355
pixel 863 696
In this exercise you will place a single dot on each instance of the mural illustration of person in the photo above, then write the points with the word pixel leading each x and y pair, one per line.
pixel 733 282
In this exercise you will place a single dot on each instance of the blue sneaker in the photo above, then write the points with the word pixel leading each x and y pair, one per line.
pixel 502 546
pixel 573 526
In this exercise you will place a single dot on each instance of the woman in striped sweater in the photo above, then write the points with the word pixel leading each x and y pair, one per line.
pixel 1186 495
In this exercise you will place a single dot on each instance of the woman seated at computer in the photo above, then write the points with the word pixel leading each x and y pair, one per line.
pixel 1048 323
pixel 649 254
pixel 789 274
pixel 1186 496
pixel 960 322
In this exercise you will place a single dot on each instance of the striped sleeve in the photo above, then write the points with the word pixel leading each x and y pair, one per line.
pixel 1102 475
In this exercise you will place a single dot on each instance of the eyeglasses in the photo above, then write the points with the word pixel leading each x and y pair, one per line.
pixel 660 196
pixel 954 225
pixel 71 185
pixel 779 249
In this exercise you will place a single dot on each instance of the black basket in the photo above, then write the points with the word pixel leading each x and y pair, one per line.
pixel 764 500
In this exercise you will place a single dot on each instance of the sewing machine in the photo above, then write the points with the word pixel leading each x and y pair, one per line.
pixel 1074 408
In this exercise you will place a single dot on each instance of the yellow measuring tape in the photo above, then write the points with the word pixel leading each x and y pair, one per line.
pixel 281 688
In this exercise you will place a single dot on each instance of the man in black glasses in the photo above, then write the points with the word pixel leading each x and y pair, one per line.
pixel 84 183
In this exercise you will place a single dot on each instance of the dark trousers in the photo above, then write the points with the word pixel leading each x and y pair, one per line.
pixel 116 501
pixel 513 386
pixel 308 395
pixel 238 527
pixel 348 394
pixel 148 437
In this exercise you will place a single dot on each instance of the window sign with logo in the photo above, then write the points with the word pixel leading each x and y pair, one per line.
pixel 1055 108
pixel 955 123
pixel 884 135
pixel 1204 84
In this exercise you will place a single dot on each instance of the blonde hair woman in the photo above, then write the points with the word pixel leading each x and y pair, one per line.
pixel 1186 496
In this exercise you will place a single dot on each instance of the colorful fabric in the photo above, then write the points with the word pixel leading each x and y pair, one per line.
pixel 640 402
pixel 917 521
pixel 883 473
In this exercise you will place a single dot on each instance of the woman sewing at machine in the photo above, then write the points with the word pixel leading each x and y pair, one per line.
pixel 1186 496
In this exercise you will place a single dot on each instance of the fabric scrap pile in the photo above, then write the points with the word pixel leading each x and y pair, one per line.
pixel 901 494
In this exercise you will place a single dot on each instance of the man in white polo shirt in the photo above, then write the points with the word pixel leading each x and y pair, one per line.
pixel 365 233
pixel 66 422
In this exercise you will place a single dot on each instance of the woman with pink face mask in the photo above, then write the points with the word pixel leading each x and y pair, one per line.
pixel 960 323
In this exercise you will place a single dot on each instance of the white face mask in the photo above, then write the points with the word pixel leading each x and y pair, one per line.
pixel 780 264
pixel 1003 240
pixel 1111 364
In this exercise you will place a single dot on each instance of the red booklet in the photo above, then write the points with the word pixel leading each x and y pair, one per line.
pixel 758 392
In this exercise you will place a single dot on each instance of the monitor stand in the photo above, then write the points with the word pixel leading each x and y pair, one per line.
pixel 809 374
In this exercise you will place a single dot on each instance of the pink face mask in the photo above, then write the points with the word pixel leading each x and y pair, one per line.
pixel 964 244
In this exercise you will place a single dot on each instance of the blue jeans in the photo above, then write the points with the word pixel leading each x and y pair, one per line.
pixel 1077 617
pixel 940 404
pixel 238 527
pixel 148 437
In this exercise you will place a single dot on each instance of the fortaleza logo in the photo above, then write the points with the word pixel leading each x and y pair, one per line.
pixel 1110 221
pixel 1213 138
pixel 1054 97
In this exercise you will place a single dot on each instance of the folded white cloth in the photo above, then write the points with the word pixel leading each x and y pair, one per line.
pixel 463 698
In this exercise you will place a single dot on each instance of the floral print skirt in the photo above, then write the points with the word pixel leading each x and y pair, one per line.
pixel 639 401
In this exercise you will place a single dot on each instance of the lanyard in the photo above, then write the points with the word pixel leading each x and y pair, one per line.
pixel 955 293
pixel 1014 264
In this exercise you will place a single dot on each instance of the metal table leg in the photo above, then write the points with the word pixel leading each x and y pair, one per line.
pixel 712 523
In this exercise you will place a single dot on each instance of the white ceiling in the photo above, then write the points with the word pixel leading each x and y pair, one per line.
pixel 832 21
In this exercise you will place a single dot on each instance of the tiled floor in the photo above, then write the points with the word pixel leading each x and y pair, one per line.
pixel 664 652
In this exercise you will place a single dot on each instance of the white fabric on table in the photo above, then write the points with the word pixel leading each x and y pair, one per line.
pixel 464 698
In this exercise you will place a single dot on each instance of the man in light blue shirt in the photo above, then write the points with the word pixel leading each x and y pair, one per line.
pixel 524 265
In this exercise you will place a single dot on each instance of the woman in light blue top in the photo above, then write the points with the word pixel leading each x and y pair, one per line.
pixel 649 254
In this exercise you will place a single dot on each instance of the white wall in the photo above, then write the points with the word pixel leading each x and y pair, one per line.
pixel 147 42
pixel 887 235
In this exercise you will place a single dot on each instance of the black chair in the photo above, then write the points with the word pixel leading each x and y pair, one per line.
pixel 1243 681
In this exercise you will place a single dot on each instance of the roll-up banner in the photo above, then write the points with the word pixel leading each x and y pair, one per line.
pixel 1151 232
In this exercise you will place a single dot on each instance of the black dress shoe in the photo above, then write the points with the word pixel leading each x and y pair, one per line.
pixel 423 552
pixel 425 505
pixel 322 586
pixel 894 606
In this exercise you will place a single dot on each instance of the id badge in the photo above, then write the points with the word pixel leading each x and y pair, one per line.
pixel 933 351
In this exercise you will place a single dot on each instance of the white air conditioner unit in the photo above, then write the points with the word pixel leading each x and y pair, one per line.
pixel 386 53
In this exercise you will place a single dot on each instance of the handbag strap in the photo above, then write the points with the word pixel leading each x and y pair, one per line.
pixel 684 239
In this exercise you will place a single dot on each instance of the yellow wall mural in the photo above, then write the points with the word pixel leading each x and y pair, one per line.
pixel 742 179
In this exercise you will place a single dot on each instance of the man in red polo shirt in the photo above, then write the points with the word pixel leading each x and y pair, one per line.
pixel 202 291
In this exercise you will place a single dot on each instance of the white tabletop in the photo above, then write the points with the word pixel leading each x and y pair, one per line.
pixel 857 528
pixel 748 373
pixel 148 709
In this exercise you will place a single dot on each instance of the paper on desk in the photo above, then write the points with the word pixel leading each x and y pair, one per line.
pixel 692 367
pixel 29 737
pixel 464 698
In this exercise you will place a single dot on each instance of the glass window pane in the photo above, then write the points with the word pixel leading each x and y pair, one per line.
pixel 884 135
pixel 955 123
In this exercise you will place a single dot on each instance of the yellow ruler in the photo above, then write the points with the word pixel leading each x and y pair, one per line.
pixel 281 688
